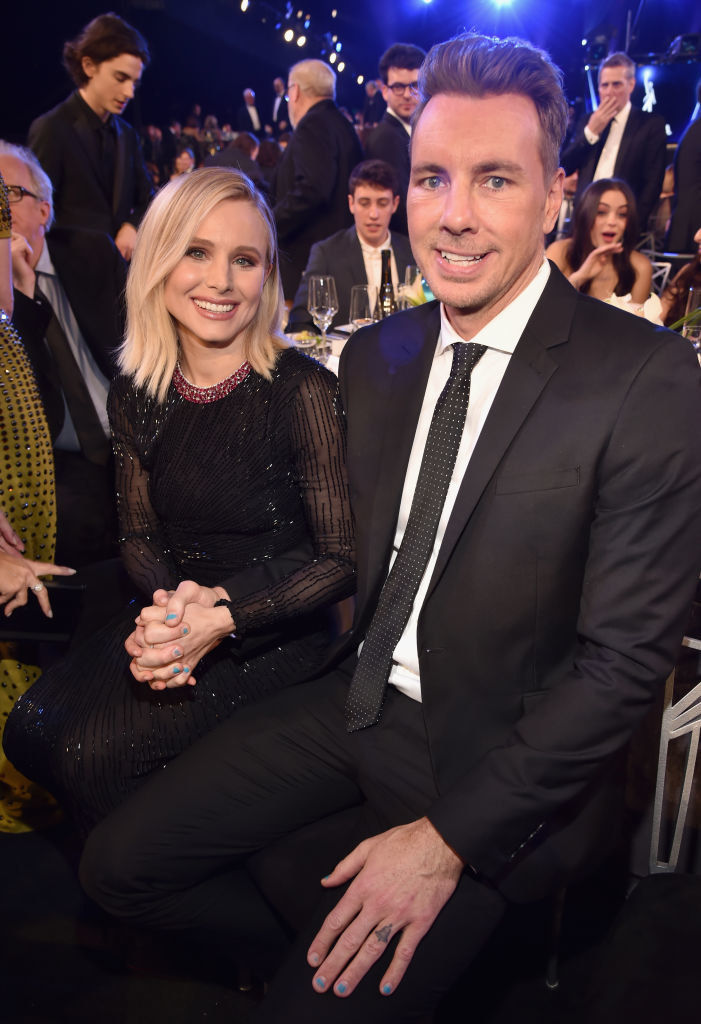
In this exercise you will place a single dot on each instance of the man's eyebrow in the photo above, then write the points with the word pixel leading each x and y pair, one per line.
pixel 486 167
pixel 427 168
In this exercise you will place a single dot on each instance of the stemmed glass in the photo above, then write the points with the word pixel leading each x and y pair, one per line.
pixel 692 328
pixel 362 304
pixel 322 303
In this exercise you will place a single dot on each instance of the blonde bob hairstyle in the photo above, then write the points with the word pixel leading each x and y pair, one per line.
pixel 150 350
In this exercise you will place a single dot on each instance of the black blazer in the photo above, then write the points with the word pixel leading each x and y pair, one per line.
pixel 390 142
pixel 60 139
pixel 640 161
pixel 686 215
pixel 282 116
pixel 310 187
pixel 93 275
pixel 341 256
pixel 566 571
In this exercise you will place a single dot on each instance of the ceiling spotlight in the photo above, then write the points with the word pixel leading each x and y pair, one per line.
pixel 289 35
pixel 301 40
pixel 340 66
pixel 332 58
pixel 360 79
pixel 244 5
pixel 334 13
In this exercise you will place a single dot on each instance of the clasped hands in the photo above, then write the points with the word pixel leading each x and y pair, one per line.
pixel 174 633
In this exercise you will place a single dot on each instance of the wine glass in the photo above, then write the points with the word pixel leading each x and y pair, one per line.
pixel 362 303
pixel 692 328
pixel 322 303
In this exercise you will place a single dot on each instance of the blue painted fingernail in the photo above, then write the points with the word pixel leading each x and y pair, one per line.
pixel 341 987
pixel 314 958
pixel 386 989
pixel 186 668
pixel 171 616
pixel 320 982
pixel 176 671
pixel 185 630
pixel 177 653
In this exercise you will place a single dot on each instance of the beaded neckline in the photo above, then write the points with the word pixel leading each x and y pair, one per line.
pixel 211 394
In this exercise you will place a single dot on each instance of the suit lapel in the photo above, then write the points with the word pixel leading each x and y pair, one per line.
pixel 83 132
pixel 120 164
pixel 528 372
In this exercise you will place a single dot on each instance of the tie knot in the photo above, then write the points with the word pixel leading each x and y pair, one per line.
pixel 466 355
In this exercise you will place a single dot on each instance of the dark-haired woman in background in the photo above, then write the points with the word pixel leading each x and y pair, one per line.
pixel 676 294
pixel 600 258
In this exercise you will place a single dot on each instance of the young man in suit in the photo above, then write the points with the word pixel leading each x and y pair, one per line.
pixel 619 141
pixel 353 255
pixel 91 155
pixel 526 505
pixel 68 285
pixel 398 69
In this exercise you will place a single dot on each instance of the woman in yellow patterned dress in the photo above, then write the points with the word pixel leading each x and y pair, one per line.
pixel 27 500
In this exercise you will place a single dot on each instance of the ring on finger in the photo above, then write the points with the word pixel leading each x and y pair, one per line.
pixel 37 587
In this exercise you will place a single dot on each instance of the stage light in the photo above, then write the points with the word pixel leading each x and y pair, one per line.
pixel 360 79
pixel 289 35
pixel 339 47
pixel 307 22
pixel 501 3
pixel 332 58
pixel 334 39
pixel 340 66
pixel 584 42
pixel 334 13
pixel 301 40
pixel 299 15
pixel 244 5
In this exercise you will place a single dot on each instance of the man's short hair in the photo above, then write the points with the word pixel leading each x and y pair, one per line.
pixel 479 66
pixel 41 182
pixel 246 142
pixel 315 78
pixel 104 38
pixel 376 173
pixel 400 55
pixel 619 60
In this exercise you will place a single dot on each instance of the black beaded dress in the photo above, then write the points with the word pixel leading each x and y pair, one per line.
pixel 246 488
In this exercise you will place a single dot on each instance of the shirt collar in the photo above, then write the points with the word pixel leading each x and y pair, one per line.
pixel 405 126
pixel 504 331
pixel 90 116
pixel 374 250
pixel 44 263
pixel 621 117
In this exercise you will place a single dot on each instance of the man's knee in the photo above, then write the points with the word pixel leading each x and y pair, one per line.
pixel 112 873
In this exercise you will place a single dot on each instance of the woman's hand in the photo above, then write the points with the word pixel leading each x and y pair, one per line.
pixel 18 575
pixel 174 633
pixel 9 541
pixel 594 263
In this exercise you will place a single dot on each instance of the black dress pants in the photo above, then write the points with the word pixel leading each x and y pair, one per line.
pixel 164 857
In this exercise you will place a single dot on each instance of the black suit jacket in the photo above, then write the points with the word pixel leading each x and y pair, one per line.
pixel 341 256
pixel 640 161
pixel 244 121
pixel 61 141
pixel 282 116
pixel 686 216
pixel 311 187
pixel 390 142
pixel 567 568
pixel 230 156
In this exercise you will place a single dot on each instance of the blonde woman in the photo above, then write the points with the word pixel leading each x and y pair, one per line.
pixel 230 453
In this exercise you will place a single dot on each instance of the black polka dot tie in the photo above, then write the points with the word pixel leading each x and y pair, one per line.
pixel 367 689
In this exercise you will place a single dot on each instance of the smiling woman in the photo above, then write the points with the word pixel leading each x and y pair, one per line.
pixel 230 452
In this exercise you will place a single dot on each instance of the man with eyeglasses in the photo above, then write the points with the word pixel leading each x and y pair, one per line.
pixel 399 71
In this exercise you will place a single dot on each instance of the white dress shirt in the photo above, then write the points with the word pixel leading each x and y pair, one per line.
pixel 372 258
pixel 607 159
pixel 500 337
pixel 97 384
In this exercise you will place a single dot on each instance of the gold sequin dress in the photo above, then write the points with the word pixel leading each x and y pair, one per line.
pixel 27 498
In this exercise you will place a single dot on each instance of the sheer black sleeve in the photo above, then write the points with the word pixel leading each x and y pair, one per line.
pixel 314 423
pixel 144 550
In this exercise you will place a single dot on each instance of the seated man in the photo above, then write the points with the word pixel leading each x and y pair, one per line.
pixel 68 311
pixel 352 255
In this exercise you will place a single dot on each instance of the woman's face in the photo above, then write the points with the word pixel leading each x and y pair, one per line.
pixel 610 219
pixel 184 162
pixel 214 292
pixel 697 239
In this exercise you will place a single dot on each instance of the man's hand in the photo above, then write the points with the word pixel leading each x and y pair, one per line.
pixel 23 276
pixel 175 633
pixel 125 240
pixel 603 114
pixel 403 878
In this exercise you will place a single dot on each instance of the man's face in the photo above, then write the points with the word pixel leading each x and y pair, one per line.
pixel 249 97
pixel 613 83
pixel 372 209
pixel 111 83
pixel 29 215
pixel 477 204
pixel 401 101
pixel 278 86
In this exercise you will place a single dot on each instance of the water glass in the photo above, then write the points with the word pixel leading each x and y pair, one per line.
pixel 362 303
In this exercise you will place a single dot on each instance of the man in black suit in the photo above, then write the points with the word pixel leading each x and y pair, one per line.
pixel 389 141
pixel 248 118
pixel 619 141
pixel 352 255
pixel 279 121
pixel 311 181
pixel 91 155
pixel 686 206
pixel 527 549
pixel 68 287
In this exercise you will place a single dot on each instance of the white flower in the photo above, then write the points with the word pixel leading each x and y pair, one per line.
pixel 650 310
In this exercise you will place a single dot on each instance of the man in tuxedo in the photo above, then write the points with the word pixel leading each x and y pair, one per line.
pixel 389 141
pixel 91 155
pixel 248 119
pixel 311 180
pixel 353 255
pixel 686 205
pixel 68 285
pixel 280 119
pixel 619 141
pixel 527 549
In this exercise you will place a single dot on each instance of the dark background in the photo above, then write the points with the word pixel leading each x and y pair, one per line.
pixel 207 51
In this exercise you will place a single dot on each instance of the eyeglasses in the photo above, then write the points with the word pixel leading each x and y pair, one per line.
pixel 15 193
pixel 399 88
pixel 287 91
